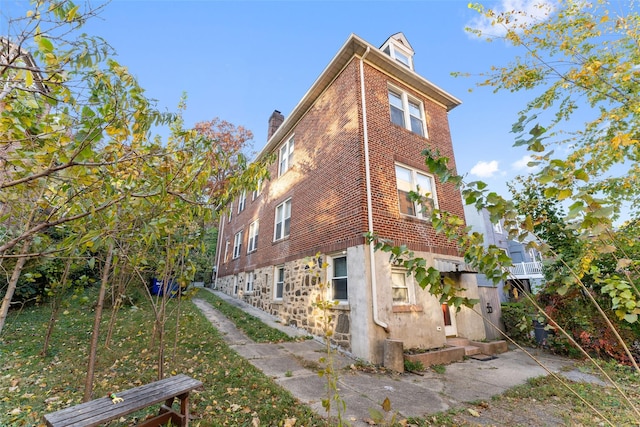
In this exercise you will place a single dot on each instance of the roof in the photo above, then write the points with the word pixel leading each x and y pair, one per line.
pixel 355 46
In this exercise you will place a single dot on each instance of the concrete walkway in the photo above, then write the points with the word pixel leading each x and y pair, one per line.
pixel 294 365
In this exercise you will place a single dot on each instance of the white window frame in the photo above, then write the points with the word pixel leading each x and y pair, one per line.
pixel 257 191
pixel 277 284
pixel 408 285
pixel 331 277
pixel 226 250
pixel 230 210
pixel 242 201
pixel 534 255
pixel 497 227
pixel 282 218
pixel 237 245
pixel 285 156
pixel 400 54
pixel 407 102
pixel 252 244
pixel 406 186
pixel 235 285
pixel 249 281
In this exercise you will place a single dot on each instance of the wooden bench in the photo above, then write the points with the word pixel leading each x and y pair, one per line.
pixel 101 410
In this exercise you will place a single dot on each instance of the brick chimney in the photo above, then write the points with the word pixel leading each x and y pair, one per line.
pixel 275 121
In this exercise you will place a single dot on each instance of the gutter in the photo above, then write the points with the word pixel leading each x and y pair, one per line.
pixel 374 284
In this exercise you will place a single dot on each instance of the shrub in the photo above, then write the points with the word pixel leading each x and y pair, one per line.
pixel 410 365
pixel 518 322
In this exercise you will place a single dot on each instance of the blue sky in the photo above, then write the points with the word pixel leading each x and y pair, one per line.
pixel 240 60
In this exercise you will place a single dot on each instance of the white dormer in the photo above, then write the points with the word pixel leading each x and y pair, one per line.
pixel 399 49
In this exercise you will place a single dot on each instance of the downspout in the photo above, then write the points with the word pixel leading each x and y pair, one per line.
pixel 374 285
pixel 218 246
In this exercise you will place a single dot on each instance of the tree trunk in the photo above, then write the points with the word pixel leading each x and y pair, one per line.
pixel 13 283
pixel 91 365
pixel 55 308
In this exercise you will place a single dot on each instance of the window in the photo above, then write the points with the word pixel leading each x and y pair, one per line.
pixel 338 272
pixel 237 244
pixel 235 285
pixel 399 287
pixel 286 156
pixel 242 202
pixel 279 282
pixel 400 53
pixel 406 112
pixel 401 57
pixel 249 281
pixel 407 180
pixel 283 220
pixel 230 210
pixel 497 227
pixel 226 251
pixel 534 255
pixel 253 237
pixel 257 191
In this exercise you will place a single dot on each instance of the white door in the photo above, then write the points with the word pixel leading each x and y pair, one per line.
pixel 449 321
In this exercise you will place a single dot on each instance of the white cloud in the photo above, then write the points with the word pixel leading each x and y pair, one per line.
pixel 522 164
pixel 485 169
pixel 531 11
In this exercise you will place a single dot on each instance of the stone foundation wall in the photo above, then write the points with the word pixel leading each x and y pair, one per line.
pixel 301 289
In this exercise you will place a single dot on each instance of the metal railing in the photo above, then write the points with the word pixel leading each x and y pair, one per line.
pixel 526 269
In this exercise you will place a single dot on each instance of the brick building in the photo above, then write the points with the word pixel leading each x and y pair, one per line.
pixel 347 156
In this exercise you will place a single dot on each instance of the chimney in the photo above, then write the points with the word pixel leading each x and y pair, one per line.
pixel 275 121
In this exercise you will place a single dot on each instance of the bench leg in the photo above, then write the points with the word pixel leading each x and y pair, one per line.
pixel 182 419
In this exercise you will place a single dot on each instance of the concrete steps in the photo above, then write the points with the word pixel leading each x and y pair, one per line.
pixel 469 349
pixel 457 349
pixel 476 347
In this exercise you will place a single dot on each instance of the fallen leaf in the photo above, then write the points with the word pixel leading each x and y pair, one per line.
pixel 290 422
pixel 473 412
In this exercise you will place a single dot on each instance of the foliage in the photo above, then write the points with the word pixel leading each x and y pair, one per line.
pixel 203 256
pixel 413 366
pixel 439 369
pixel 586 327
pixel 78 158
pixel 427 278
pixel 579 57
pixel 518 322
pixel 314 267
pixel 235 393
pixel 250 325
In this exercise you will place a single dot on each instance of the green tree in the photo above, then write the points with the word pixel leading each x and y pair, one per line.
pixel 580 57
pixel 78 155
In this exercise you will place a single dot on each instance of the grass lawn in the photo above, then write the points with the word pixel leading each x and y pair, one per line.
pixel 250 325
pixel 235 393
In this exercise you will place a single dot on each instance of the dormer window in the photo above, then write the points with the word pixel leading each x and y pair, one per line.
pixel 402 58
pixel 399 49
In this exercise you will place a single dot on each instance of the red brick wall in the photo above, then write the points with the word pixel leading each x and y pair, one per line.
pixel 389 143
pixel 327 179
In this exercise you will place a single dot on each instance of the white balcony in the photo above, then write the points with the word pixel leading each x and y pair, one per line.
pixel 526 270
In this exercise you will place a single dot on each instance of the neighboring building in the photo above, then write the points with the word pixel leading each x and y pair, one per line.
pixel 525 275
pixel 347 156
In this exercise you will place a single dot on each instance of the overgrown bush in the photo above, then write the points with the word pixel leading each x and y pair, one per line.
pixel 577 315
pixel 518 322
